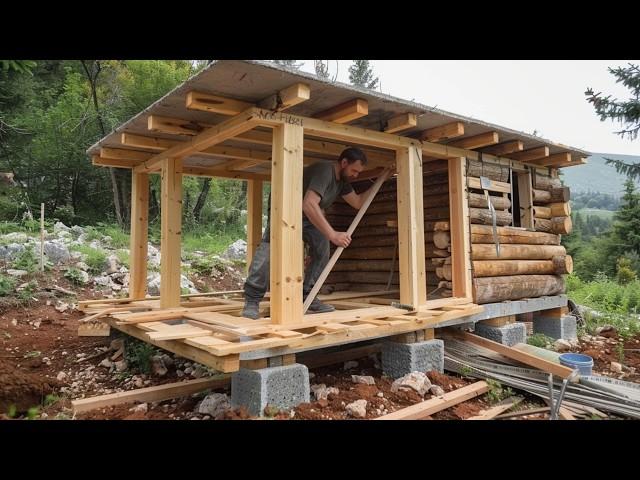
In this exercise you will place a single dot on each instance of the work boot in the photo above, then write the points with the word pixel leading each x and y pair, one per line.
pixel 251 309
pixel 318 307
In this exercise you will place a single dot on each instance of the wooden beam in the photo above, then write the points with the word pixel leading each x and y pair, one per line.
pixel 501 187
pixel 175 126
pixel 401 122
pixel 171 233
pixel 443 132
pixel 552 160
pixel 434 405
pixel 411 258
pixel 287 98
pixel 531 154
pixel 254 218
pixel 573 162
pixel 224 173
pixel 112 162
pixel 477 141
pixel 208 138
pixel 158 393
pixel 505 148
pixel 525 196
pixel 460 243
pixel 139 234
pixel 286 224
pixel 345 112
pixel 215 104
pixel 124 154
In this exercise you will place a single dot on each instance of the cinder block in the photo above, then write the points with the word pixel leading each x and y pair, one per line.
pixel 508 335
pixel 564 327
pixel 282 387
pixel 398 359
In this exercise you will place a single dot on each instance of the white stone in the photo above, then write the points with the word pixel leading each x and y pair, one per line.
pixel 418 381
pixel 143 407
pixel 561 345
pixel 56 251
pixel 9 252
pixel 106 363
pixel 380 394
pixel 436 390
pixel 112 264
pixel 82 266
pixel 103 281
pixel 62 376
pixel 321 392
pixel 214 404
pixel 158 366
pixel 15 237
pixel 364 379
pixel 60 227
pixel 236 251
pixel 17 273
pixel 121 366
pixel 616 367
pixel 357 409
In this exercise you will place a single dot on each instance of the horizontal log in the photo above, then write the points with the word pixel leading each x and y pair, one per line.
pixel 484 234
pixel 560 209
pixel 502 288
pixel 557 225
pixel 543 182
pixel 478 200
pixel 483 216
pixel 541 212
pixel 499 173
pixel 387 253
pixel 355 277
pixel 558 265
pixel 560 194
pixel 373 231
pixel 441 240
pixel 481 251
pixel 541 196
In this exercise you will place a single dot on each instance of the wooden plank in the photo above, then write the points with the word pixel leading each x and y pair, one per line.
pixel 157 393
pixel 94 329
pixel 434 405
pixel 443 132
pixel 525 196
pixel 215 104
pixel 518 355
pixel 499 321
pixel 171 233
pixel 338 251
pixel 287 98
pixel 223 173
pixel 401 122
pixel 575 161
pixel 178 332
pixel 112 162
pixel 411 258
pixel 530 154
pixel 492 412
pixel 476 141
pixel 495 186
pixel 505 148
pixel 124 154
pixel 460 243
pixel 552 160
pixel 345 112
pixel 254 218
pixel 139 234
pixel 286 270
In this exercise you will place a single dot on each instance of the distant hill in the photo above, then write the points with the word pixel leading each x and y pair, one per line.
pixel 596 176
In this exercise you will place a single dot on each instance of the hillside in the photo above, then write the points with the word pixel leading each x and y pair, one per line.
pixel 596 176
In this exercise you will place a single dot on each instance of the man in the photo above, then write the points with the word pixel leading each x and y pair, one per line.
pixel 322 183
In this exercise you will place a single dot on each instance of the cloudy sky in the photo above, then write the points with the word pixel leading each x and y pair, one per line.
pixel 525 95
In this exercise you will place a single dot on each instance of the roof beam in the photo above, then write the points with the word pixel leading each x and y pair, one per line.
pixel 345 112
pixel 531 154
pixel 215 104
pixel 401 122
pixel 124 154
pixel 552 160
pixel 476 141
pixel 212 172
pixel 505 148
pixel 112 162
pixel 577 161
pixel 443 132
pixel 287 98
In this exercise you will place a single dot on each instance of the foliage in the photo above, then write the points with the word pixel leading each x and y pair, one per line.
pixel 7 284
pixel 539 340
pixel 95 258
pixel 361 74
pixel 27 260
pixel 74 275
pixel 138 355
pixel 497 392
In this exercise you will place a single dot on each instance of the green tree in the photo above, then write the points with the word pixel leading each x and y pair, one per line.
pixel 626 226
pixel 361 74
pixel 627 112
pixel 289 63
pixel 321 68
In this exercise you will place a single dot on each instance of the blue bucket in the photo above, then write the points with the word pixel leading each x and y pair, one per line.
pixel 584 363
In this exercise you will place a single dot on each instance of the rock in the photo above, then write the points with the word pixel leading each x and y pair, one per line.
pixel 121 366
pixel 198 372
pixel 607 331
pixel 321 392
pixel 143 407
pixel 367 380
pixel 77 230
pixel 350 364
pixel 214 404
pixel 15 237
pixel 116 344
pixel 436 390
pixel 17 273
pixel 167 359
pixel 380 394
pixel 179 373
pixel 60 227
pixel 82 266
pixel 11 251
pixel 236 251
pixel 112 264
pixel 561 345
pixel 106 363
pixel 357 409
pixel 157 366
pixel 138 382
pixel 56 252
pixel 153 283
pixel 61 376
pixel 188 370
pixel 616 367
pixel 83 277
pixel 103 281
pixel 575 343
pixel 417 381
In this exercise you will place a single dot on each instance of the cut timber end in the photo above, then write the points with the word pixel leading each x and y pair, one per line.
pixel 94 329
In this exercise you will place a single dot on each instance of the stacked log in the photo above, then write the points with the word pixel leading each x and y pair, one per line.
pixel 551 211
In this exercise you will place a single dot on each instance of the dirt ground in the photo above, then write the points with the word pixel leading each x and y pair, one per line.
pixel 44 365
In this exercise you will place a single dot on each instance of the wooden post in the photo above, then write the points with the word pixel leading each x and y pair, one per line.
pixel 525 194
pixel 170 237
pixel 286 224
pixel 460 245
pixel 139 234
pixel 254 217
pixel 411 262
pixel 42 237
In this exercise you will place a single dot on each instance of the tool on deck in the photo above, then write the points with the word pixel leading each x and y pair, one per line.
pixel 555 408
pixel 404 306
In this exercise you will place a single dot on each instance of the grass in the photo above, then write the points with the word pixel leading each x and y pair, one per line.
pixel 94 258
pixel 596 212
pixel 539 340
pixel 497 392
pixel 208 242
pixel 138 355
pixel 27 260
pixel 7 284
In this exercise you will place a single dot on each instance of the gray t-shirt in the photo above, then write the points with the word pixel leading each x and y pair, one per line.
pixel 321 178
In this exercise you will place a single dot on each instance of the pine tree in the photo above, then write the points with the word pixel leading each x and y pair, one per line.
pixel 361 74
pixel 321 68
pixel 627 112
pixel 626 227
pixel 289 63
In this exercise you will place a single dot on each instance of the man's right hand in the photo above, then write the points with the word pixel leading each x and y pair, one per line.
pixel 341 239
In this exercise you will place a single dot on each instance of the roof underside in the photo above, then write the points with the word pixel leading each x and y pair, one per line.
pixel 253 81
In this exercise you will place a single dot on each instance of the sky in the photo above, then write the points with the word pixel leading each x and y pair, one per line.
pixel 525 95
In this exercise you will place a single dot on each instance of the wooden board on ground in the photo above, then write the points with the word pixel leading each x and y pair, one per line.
pixel 94 329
